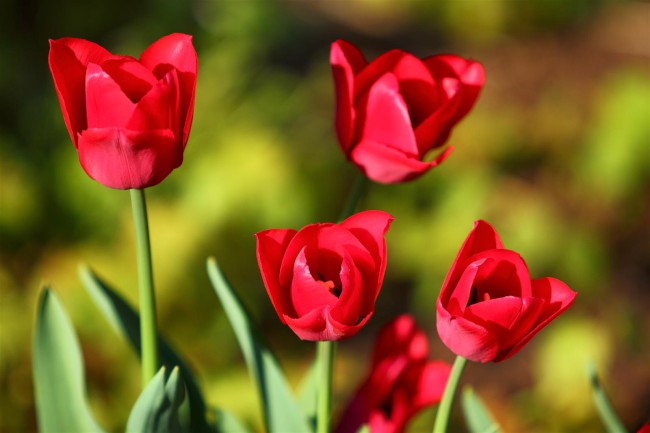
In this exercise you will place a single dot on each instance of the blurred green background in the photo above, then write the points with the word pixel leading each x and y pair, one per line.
pixel 556 155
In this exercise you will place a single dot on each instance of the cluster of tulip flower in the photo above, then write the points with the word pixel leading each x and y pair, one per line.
pixel 130 120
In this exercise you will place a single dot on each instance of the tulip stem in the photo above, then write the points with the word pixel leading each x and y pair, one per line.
pixel 354 197
pixel 442 417
pixel 148 334
pixel 325 359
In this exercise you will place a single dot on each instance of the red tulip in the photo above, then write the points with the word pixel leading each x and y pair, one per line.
pixel 323 280
pixel 128 119
pixel 489 308
pixel 401 381
pixel 392 111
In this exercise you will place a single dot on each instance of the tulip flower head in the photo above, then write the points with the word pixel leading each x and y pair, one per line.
pixel 323 280
pixel 400 383
pixel 392 111
pixel 129 119
pixel 489 307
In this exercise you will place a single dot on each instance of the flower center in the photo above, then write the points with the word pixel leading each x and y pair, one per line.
pixel 329 285
pixel 475 297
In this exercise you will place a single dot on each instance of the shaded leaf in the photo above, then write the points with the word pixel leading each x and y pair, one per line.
pixel 226 422
pixel 126 321
pixel 59 372
pixel 161 407
pixel 281 411
pixel 477 416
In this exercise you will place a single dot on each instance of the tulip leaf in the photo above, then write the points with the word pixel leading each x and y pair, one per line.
pixel 126 322
pixel 225 422
pixel 308 394
pixel 281 410
pixel 58 371
pixel 605 410
pixel 477 416
pixel 162 406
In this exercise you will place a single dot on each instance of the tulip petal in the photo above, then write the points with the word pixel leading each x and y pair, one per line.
pixel 123 159
pixel 306 237
pixel 346 61
pixel 134 79
pixel 107 106
pixel 308 293
pixel 431 383
pixel 270 249
pixel 176 50
pixel 318 325
pixel 351 304
pixel 401 337
pixel 482 237
pixel 159 108
pixel 465 338
pixel 502 273
pixel 367 77
pixel 558 297
pixel 432 132
pixel 384 164
pixel 470 73
pixel 68 59
pixel 387 118
pixel 370 228
pixel 508 319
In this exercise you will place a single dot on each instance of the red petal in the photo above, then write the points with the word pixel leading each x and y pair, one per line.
pixel 318 325
pixel 270 250
pixel 508 318
pixel 305 237
pixel 367 78
pixel 123 159
pixel 557 296
pixel 106 104
pixel 482 237
pixel 431 383
pixel 176 50
pixel 387 118
pixel 385 164
pixel 133 78
pixel 502 273
pixel 400 338
pixel 430 133
pixel 351 304
pixel 470 73
pixel 68 59
pixel 465 338
pixel 346 61
pixel 159 108
pixel 307 294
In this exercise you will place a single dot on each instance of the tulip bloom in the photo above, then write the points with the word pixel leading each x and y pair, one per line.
pixel 401 381
pixel 323 279
pixel 392 111
pixel 489 308
pixel 128 119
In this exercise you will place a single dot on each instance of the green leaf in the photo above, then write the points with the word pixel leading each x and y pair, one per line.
pixel 225 422
pixel 162 406
pixel 126 322
pixel 477 416
pixel 605 410
pixel 308 394
pixel 59 372
pixel 281 411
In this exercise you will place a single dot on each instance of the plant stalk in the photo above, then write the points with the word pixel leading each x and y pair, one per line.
pixel 444 409
pixel 148 334
pixel 325 357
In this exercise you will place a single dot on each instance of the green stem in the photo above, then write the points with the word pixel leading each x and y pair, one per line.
pixel 607 414
pixel 444 409
pixel 148 337
pixel 325 359
pixel 354 197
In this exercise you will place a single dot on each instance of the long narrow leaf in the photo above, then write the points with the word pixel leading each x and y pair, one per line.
pixel 477 416
pixel 605 410
pixel 161 406
pixel 281 411
pixel 125 320
pixel 59 372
